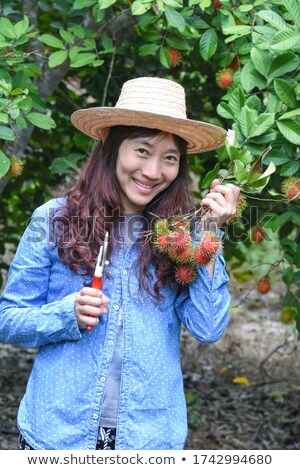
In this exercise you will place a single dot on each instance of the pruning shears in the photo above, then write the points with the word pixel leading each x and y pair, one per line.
pixel 99 269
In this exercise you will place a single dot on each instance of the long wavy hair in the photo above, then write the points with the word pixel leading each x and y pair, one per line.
pixel 93 205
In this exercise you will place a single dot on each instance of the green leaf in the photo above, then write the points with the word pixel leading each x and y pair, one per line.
pixel 4 164
pixel 238 30
pixel 283 64
pixel 103 4
pixel 175 19
pixel 208 44
pixel 251 78
pixel 224 110
pixel 57 58
pixel 6 133
pixel 273 18
pixel 51 41
pixel 253 102
pixel 165 57
pixel 181 44
pixel 210 176
pixel 246 119
pixel 287 275
pixel 285 92
pixel 67 36
pixel 237 100
pixel 64 165
pixel 41 120
pixel 285 40
pixel 262 123
pixel 148 49
pixel 139 8
pixel 292 7
pixel 290 130
pixel 7 28
pixel 81 59
pixel 290 114
pixel 261 60
pixel 239 171
pixel 79 4
pixel 271 169
pixel 290 168
pixel 21 27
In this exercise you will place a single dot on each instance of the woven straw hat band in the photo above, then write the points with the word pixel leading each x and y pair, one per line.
pixel 158 96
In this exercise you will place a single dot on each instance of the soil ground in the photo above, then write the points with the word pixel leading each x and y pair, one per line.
pixel 243 392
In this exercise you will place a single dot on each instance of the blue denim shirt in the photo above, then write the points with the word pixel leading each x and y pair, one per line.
pixel 62 404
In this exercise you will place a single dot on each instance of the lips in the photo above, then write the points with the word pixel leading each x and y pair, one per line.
pixel 143 185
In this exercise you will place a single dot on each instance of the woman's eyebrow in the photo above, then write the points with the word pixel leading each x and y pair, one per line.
pixel 147 143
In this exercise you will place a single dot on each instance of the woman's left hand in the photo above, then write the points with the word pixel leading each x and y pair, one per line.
pixel 222 201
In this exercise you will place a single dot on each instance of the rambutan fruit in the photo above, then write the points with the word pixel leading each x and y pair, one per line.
pixel 258 234
pixel 210 245
pixel 181 256
pixel 175 56
pixel 263 286
pixel 217 4
pixel 291 187
pixel 163 242
pixel 16 167
pixel 161 226
pixel 200 258
pixel 185 274
pixel 241 204
pixel 224 78
pixel 181 239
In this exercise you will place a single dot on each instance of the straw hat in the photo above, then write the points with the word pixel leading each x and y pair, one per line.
pixel 154 103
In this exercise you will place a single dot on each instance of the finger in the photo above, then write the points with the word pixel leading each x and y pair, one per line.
pixel 214 183
pixel 230 192
pixel 91 291
pixel 219 198
pixel 89 300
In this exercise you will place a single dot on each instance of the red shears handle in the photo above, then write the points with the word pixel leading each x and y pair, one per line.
pixel 97 284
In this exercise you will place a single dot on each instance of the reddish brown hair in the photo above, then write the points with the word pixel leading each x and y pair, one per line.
pixel 93 202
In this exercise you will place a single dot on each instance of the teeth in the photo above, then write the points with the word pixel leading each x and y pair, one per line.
pixel 147 186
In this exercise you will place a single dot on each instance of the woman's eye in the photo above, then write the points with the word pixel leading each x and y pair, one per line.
pixel 172 158
pixel 142 151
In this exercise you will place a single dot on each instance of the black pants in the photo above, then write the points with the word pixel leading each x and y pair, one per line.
pixel 106 440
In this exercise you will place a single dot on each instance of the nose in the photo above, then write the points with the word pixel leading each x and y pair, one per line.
pixel 151 169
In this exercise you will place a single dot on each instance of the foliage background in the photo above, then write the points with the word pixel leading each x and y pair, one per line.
pixel 56 57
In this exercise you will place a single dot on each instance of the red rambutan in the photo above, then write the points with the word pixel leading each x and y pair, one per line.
pixel 199 257
pixel 175 56
pixel 263 286
pixel 210 245
pixel 291 187
pixel 180 239
pixel 185 274
pixel 258 234
pixel 224 78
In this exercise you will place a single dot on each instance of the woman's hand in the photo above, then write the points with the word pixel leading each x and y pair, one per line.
pixel 90 303
pixel 222 201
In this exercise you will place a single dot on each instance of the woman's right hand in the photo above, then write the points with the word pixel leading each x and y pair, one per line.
pixel 90 303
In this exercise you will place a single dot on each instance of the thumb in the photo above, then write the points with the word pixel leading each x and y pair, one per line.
pixel 214 183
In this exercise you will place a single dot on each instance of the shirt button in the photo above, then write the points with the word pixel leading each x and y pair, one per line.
pixel 116 307
pixel 95 416
pixel 125 271
pixel 102 379
pixel 110 342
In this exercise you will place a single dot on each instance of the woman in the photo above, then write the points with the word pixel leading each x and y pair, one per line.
pixel 107 373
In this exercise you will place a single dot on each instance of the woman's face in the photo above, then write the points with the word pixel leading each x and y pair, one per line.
pixel 145 167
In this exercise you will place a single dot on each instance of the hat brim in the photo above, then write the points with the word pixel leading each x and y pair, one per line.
pixel 201 136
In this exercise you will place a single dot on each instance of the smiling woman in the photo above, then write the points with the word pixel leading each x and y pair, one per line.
pixel 107 373
pixel 145 168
